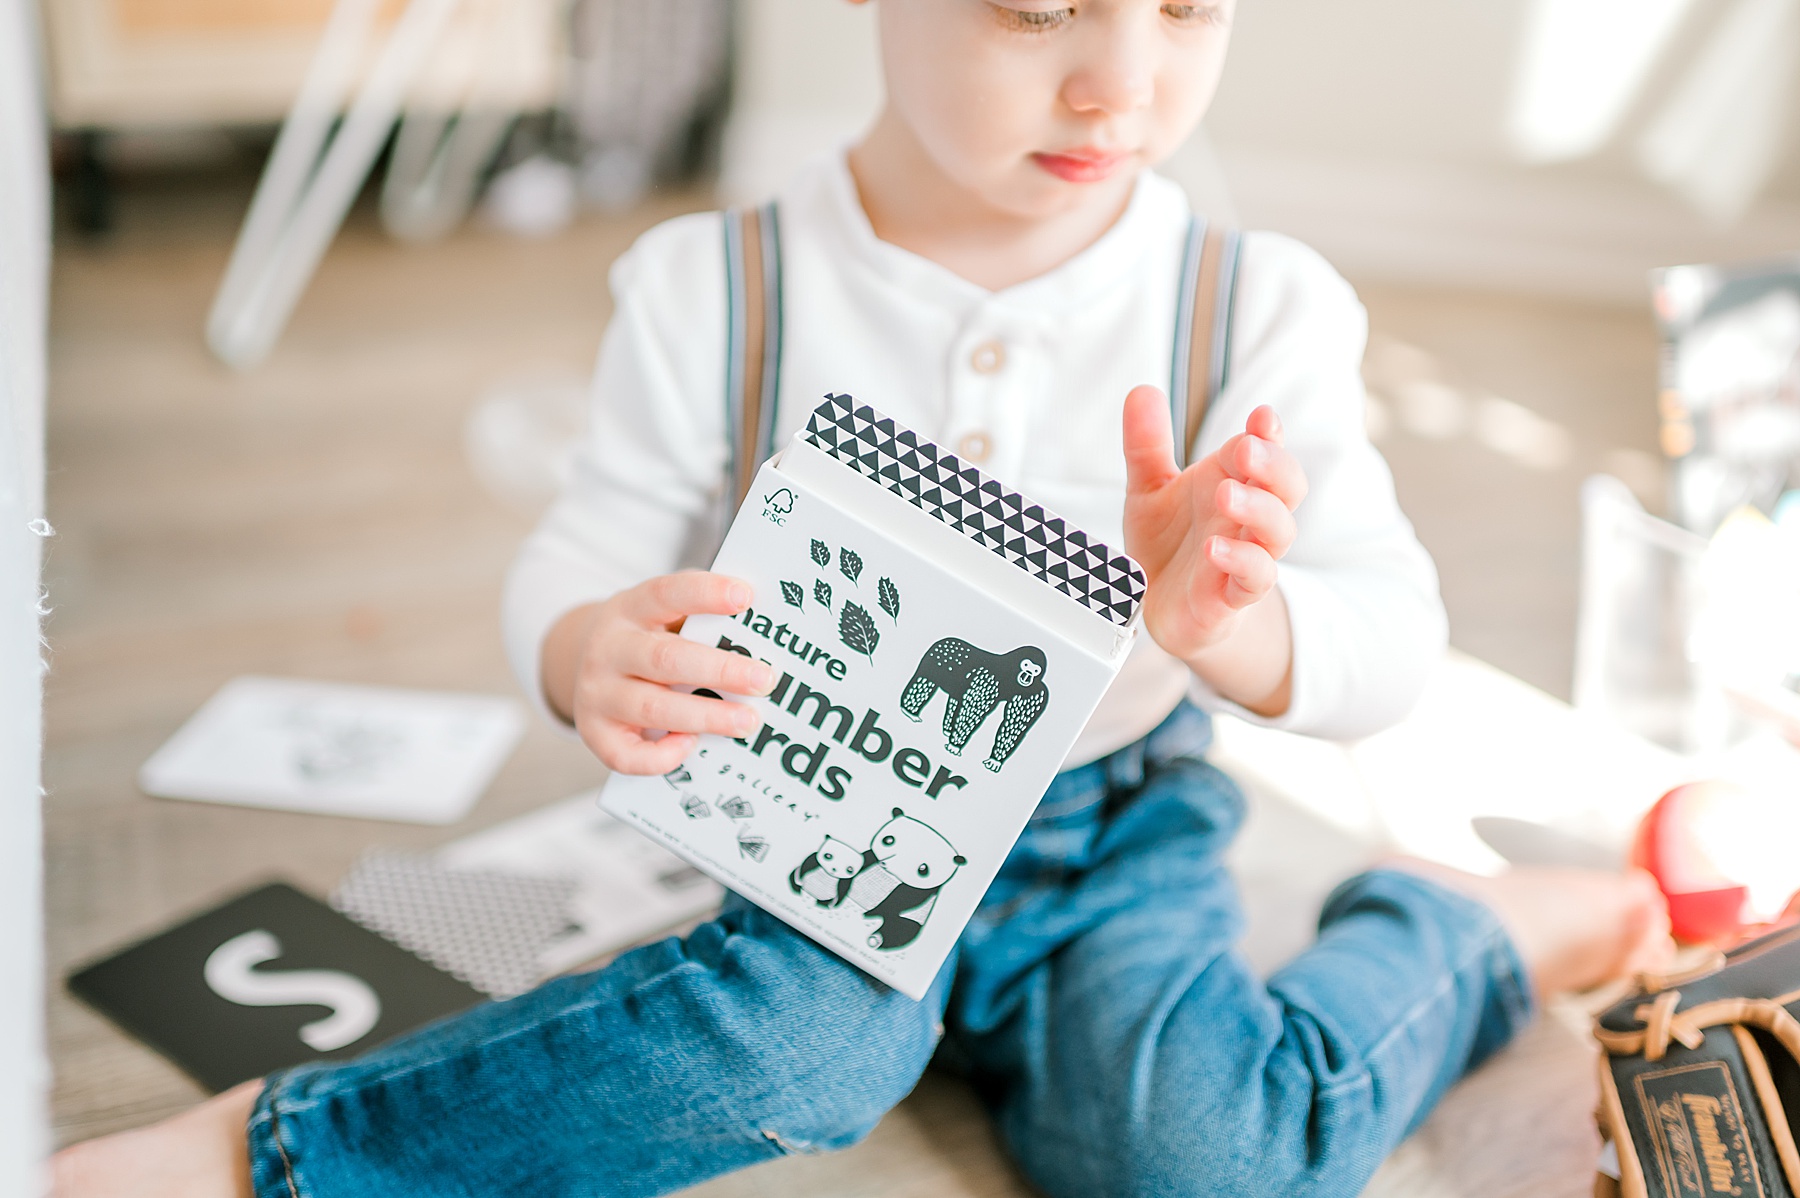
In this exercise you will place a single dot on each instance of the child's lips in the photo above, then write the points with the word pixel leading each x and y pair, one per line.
pixel 1082 166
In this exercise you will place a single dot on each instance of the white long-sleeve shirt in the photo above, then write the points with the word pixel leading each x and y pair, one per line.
pixel 1035 375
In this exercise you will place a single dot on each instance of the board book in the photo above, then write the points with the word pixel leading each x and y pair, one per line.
pixel 940 640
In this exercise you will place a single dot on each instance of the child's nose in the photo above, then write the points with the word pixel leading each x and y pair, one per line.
pixel 1116 73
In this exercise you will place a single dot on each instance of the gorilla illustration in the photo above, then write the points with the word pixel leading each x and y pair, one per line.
pixel 976 682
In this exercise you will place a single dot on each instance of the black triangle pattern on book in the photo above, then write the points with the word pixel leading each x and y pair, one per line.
pixel 934 480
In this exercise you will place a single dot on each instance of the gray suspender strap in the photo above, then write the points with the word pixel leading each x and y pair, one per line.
pixel 1202 362
pixel 753 346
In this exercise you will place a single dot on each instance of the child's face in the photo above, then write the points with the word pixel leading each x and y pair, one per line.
pixel 1042 106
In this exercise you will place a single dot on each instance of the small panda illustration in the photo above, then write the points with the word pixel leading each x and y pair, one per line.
pixel 904 867
pixel 825 874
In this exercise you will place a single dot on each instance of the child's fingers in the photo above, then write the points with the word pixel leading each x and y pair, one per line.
pixel 1149 441
pixel 639 704
pixel 667 658
pixel 670 598
pixel 1264 423
pixel 1249 570
pixel 627 751
pixel 1263 518
pixel 1264 463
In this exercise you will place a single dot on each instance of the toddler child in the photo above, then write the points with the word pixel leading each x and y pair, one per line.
pixel 996 266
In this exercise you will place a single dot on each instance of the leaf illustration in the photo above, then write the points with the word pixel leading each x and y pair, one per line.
pixel 857 628
pixel 793 595
pixel 822 593
pixel 889 596
pixel 849 563
pixel 821 554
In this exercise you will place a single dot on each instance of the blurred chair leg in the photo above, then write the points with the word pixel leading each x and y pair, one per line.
pixel 304 194
pixel 92 194
pixel 436 170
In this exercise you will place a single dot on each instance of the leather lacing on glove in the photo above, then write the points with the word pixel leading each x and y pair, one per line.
pixel 1663 1025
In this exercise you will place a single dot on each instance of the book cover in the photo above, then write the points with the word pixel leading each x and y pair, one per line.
pixel 940 642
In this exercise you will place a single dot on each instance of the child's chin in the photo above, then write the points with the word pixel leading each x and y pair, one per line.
pixel 1041 194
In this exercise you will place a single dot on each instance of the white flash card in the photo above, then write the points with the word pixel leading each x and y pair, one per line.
pixel 336 749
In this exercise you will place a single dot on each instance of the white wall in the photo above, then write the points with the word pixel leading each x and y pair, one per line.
pixel 1377 132
pixel 808 78
pixel 1374 130
pixel 24 262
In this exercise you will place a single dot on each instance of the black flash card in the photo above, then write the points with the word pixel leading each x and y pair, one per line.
pixel 269 979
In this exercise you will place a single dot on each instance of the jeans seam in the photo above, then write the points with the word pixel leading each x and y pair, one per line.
pixel 287 1164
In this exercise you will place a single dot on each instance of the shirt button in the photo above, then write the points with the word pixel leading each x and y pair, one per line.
pixel 974 447
pixel 988 358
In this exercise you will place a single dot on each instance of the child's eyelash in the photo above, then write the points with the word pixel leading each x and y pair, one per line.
pixel 1195 14
pixel 1027 20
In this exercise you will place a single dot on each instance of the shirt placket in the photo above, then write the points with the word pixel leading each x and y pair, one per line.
pixel 992 361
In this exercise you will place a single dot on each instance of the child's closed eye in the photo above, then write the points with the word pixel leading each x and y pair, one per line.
pixel 1030 20
pixel 1022 19
pixel 1195 14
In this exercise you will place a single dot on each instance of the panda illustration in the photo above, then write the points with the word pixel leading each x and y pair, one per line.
pixel 976 682
pixel 825 874
pixel 904 867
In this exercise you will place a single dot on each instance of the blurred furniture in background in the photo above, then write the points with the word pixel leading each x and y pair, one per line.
pixel 1640 592
pixel 642 88
pixel 1689 642
pixel 459 70
pixel 1730 390
pixel 647 90
pixel 133 63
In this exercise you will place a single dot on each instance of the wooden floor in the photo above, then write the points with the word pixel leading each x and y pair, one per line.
pixel 317 517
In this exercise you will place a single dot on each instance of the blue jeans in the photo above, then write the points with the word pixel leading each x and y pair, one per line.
pixel 1096 1000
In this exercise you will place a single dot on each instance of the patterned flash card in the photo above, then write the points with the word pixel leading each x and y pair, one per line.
pixel 940 640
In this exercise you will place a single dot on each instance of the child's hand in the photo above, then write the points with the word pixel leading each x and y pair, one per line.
pixel 1208 537
pixel 629 657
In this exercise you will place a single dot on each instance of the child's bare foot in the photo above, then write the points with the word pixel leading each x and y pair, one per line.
pixel 1574 928
pixel 200 1153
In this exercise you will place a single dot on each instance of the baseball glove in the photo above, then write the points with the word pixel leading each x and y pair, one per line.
pixel 1700 1077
